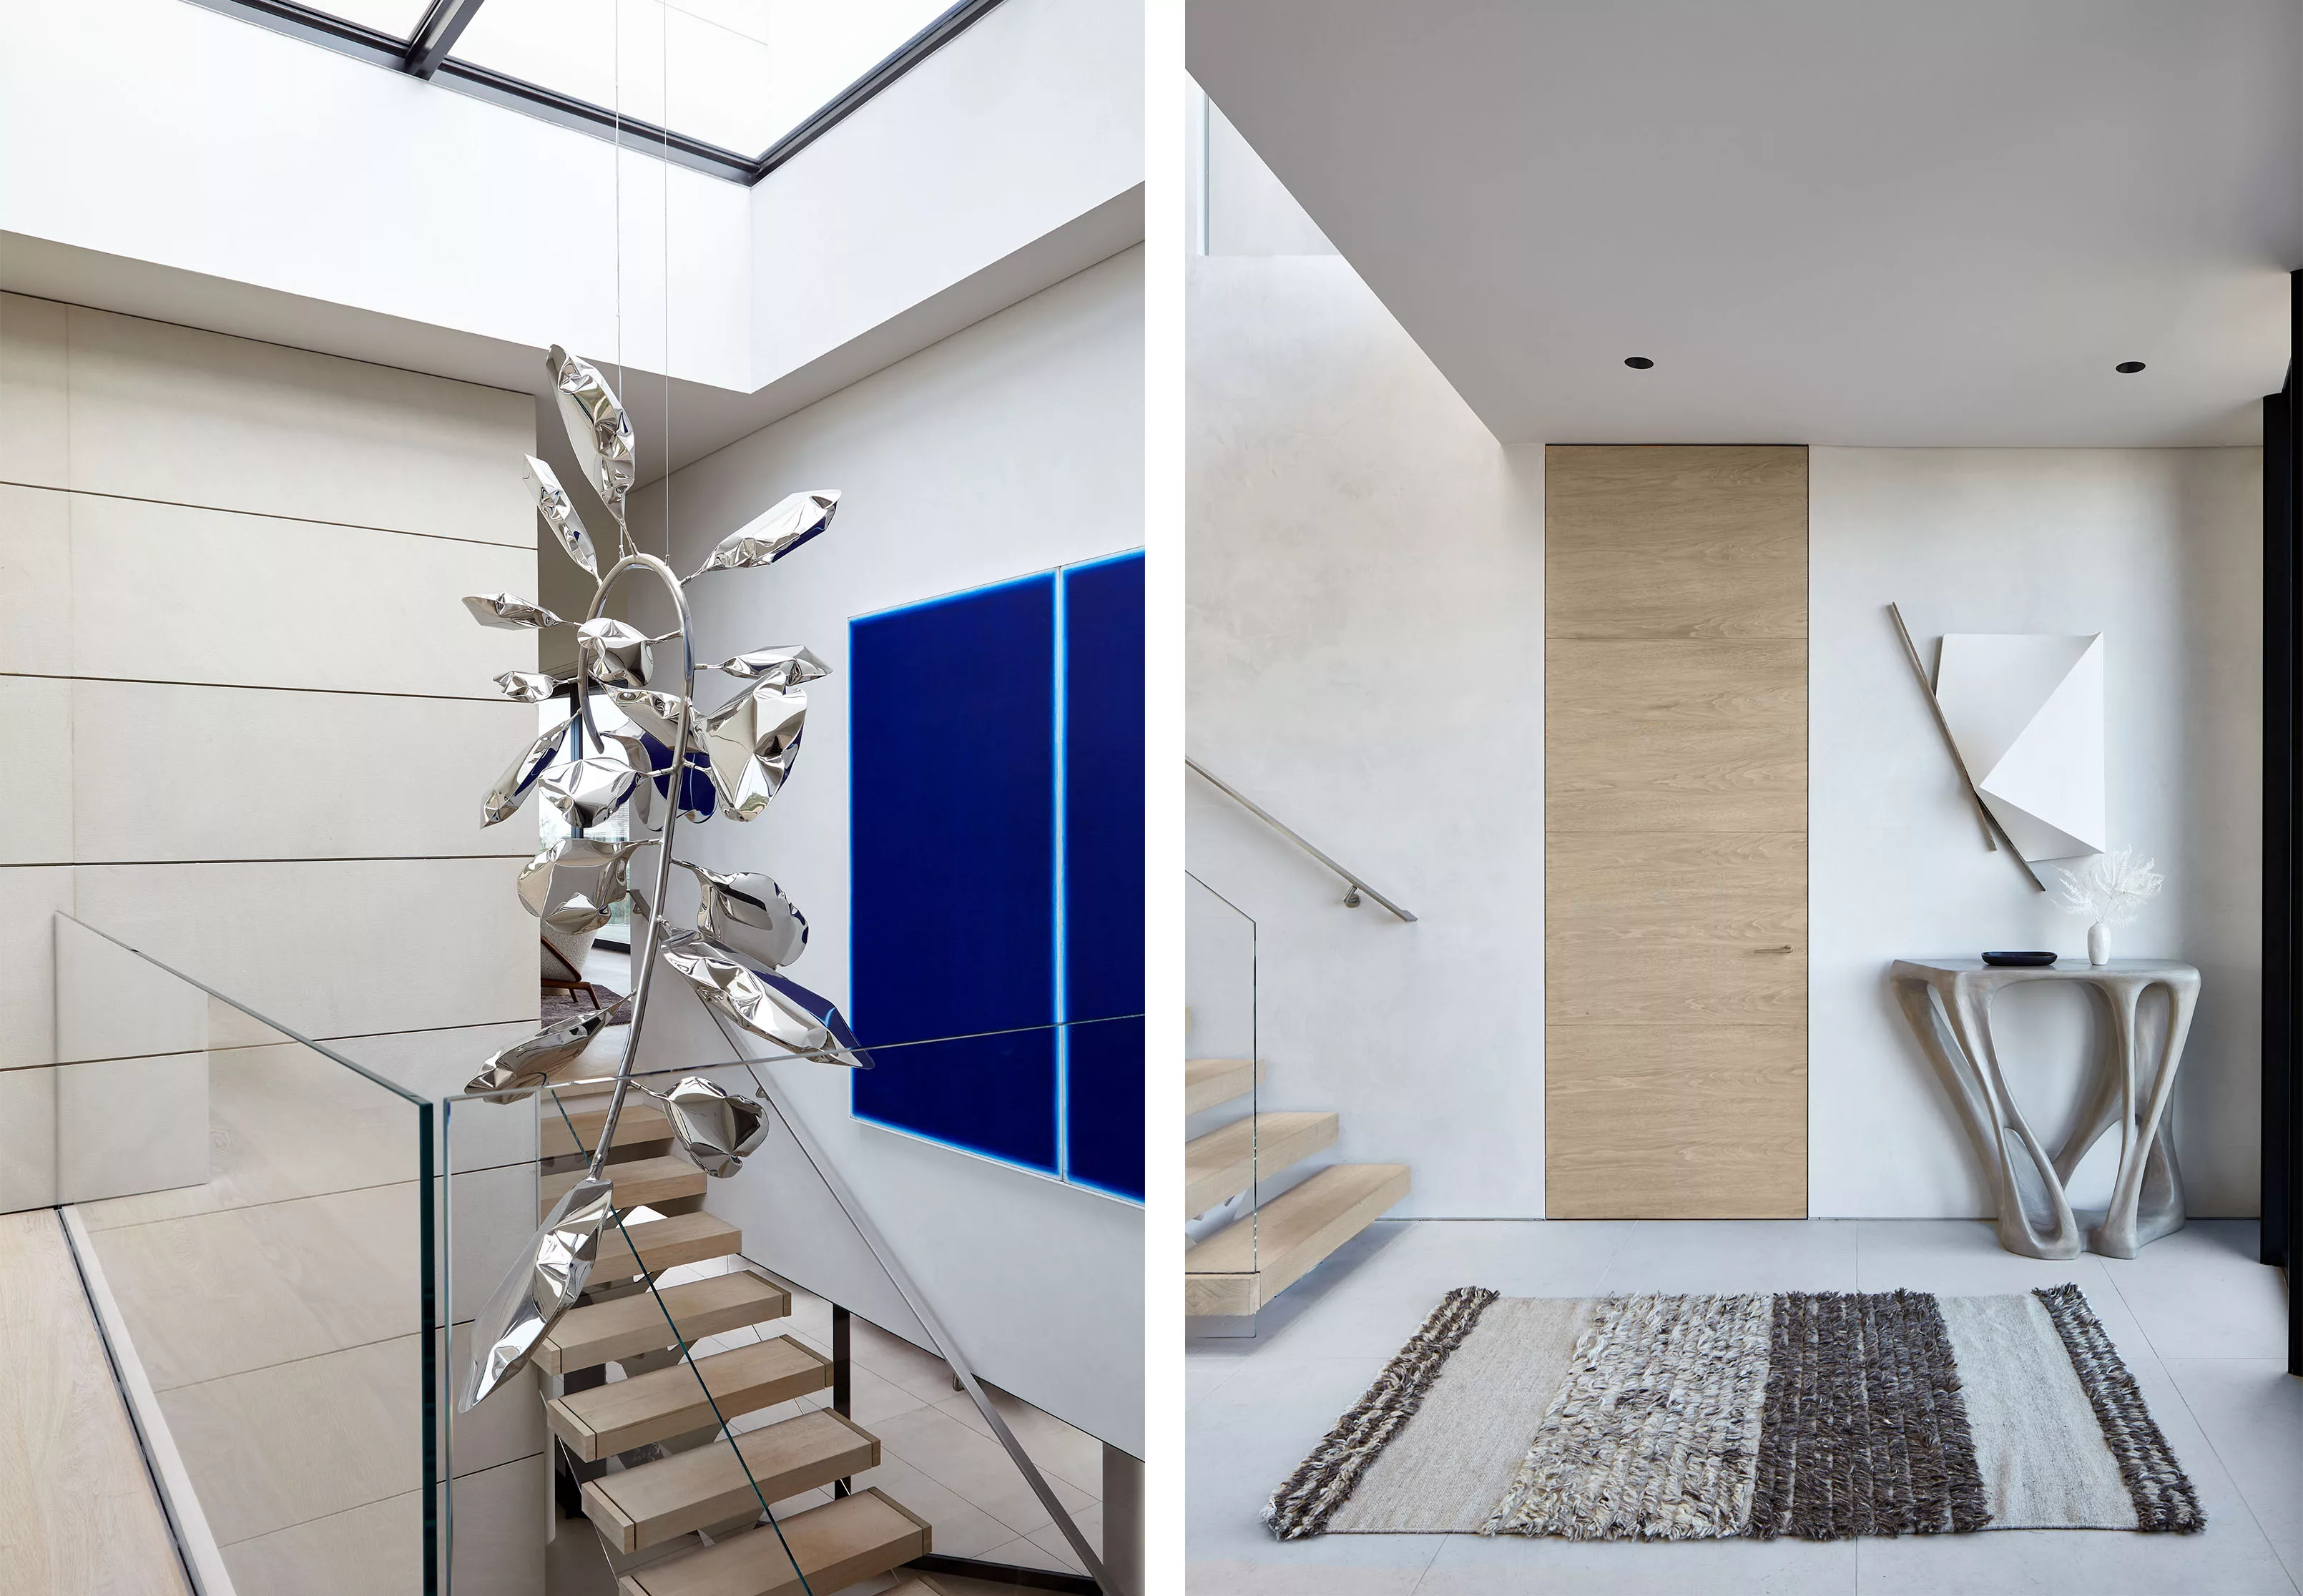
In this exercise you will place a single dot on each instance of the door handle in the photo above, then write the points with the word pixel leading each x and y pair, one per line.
pixel 1786 949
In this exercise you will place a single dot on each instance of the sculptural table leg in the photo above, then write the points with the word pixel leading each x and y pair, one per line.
pixel 2146 1199
pixel 2104 1105
pixel 1955 1028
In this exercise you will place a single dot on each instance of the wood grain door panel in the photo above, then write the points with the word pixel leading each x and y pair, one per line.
pixel 1661 541
pixel 1676 736
pixel 1676 1122
pixel 1675 819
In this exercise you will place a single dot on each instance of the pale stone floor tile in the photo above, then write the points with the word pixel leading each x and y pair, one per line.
pixel 1051 1541
pixel 872 1400
pixel 221 1293
pixel 900 1362
pixel 727 1341
pixel 680 1274
pixel 375 1548
pixel 271 1447
pixel 1734 1256
pixel 1478 1565
pixel 1399 1576
pixel 1203 1374
pixel 2200 1293
pixel 974 1466
pixel 1024 1552
pixel 1958 1257
pixel 2251 1410
pixel 760 1418
pixel 811 1315
pixel 963 1529
pixel 1071 1455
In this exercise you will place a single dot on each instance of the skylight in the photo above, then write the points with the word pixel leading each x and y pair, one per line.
pixel 733 87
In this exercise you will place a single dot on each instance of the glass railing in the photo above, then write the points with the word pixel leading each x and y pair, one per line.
pixel 1223 1078
pixel 254 1214
pixel 292 1240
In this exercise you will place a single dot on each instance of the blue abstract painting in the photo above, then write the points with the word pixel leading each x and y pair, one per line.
pixel 996 756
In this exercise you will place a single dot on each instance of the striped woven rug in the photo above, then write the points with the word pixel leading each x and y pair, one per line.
pixel 1818 1414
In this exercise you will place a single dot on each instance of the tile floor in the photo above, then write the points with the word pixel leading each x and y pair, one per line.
pixel 2201 1325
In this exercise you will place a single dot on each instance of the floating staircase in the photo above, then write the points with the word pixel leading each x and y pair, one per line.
pixel 1249 1262
pixel 655 1183
pixel 835 1546
pixel 678 1513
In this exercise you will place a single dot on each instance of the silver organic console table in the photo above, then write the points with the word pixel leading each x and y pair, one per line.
pixel 1948 1003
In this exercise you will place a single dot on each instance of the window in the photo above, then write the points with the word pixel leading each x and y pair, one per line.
pixel 730 87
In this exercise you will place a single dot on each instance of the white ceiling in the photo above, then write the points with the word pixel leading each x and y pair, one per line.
pixel 1850 221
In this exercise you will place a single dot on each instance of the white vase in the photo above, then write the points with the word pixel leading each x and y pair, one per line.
pixel 2099 942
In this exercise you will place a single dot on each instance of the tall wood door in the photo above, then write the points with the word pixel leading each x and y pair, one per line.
pixel 1675 832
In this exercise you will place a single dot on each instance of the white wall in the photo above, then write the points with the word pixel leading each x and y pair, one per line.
pixel 1012 447
pixel 2160 549
pixel 1030 118
pixel 249 728
pixel 1243 206
pixel 1365 615
pixel 252 722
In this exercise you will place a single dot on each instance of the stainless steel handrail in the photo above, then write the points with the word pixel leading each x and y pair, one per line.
pixel 1358 884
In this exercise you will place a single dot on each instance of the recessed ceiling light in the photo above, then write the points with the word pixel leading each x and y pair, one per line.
pixel 1638 363
pixel 2129 367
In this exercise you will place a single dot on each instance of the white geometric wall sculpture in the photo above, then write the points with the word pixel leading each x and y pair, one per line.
pixel 2027 714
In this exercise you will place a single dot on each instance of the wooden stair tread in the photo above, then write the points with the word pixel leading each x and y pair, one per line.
pixel 1227 1161
pixel 659 1501
pixel 637 1181
pixel 624 1413
pixel 579 1131
pixel 1254 1258
pixel 665 1244
pixel 835 1545
pixel 1211 1081
pixel 601 1332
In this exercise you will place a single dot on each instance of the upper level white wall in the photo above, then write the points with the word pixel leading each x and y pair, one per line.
pixel 1241 207
pixel 1032 117
pixel 1365 658
pixel 1011 447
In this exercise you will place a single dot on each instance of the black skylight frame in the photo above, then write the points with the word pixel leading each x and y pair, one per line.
pixel 428 53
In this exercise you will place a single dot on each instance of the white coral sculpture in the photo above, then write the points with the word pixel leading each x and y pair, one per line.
pixel 2110 888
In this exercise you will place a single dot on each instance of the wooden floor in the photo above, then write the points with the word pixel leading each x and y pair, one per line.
pixel 78 1516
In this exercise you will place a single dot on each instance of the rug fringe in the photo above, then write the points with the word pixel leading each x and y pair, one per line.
pixel 1308 1498
pixel 2165 1503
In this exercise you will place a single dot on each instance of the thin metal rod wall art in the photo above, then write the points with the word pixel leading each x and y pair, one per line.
pixel 642 746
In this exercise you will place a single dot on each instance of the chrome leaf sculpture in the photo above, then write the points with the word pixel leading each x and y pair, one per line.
pixel 713 1126
pixel 640 741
